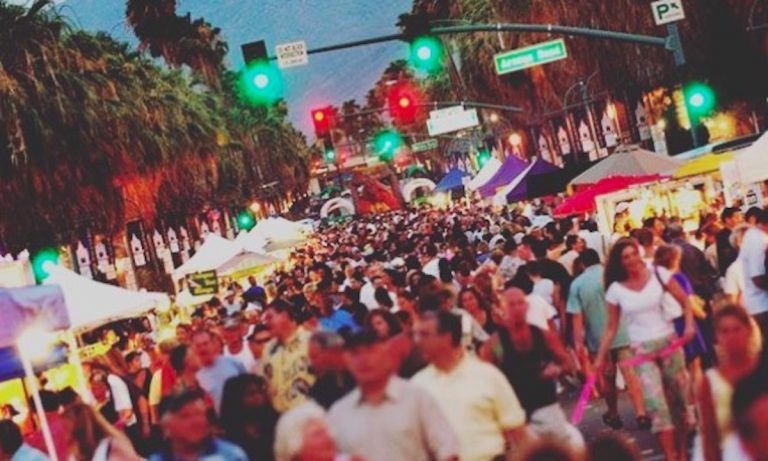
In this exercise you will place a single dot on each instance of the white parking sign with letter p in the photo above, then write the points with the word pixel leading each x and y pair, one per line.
pixel 666 11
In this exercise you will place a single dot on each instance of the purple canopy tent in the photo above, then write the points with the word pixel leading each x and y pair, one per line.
pixel 520 192
pixel 509 170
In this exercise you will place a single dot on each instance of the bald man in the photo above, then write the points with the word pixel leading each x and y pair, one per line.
pixel 532 359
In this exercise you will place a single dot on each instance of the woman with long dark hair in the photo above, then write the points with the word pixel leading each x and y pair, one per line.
pixel 635 292
pixel 478 307
pixel 247 417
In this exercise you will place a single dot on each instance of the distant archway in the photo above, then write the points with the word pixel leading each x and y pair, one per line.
pixel 338 203
pixel 412 186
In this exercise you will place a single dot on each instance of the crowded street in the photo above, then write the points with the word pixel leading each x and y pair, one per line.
pixel 419 230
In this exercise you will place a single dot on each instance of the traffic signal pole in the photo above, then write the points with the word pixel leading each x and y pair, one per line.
pixel 670 43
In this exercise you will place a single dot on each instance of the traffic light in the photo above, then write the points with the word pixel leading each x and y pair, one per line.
pixel 43 261
pixel 322 119
pixel 261 83
pixel 329 151
pixel 427 53
pixel 386 144
pixel 482 157
pixel 403 103
pixel 245 220
pixel 699 99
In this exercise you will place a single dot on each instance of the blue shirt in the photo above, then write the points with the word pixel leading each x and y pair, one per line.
pixel 587 297
pixel 212 378
pixel 338 320
pixel 216 449
pixel 27 453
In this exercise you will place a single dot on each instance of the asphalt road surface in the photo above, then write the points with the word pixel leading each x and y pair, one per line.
pixel 592 424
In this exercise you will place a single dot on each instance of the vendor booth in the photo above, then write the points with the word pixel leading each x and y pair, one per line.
pixel 584 201
pixel 681 198
pixel 628 161
pixel 745 175
pixel 224 256
pixel 517 189
pixel 454 179
pixel 90 302
pixel 484 175
pixel 509 170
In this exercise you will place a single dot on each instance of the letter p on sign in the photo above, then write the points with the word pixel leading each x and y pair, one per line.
pixel 666 11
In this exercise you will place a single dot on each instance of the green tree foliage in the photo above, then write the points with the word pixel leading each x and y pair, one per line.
pixel 93 133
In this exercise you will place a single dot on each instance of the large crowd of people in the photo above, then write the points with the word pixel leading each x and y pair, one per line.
pixel 446 335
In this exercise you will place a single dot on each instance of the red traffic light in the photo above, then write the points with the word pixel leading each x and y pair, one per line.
pixel 403 103
pixel 321 118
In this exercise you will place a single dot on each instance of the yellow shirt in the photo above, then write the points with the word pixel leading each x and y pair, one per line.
pixel 286 369
pixel 479 403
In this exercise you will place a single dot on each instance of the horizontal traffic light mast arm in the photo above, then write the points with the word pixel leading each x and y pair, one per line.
pixel 670 42
pixel 436 104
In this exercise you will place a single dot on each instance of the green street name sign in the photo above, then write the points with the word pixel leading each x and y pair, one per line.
pixel 530 56
pixel 422 146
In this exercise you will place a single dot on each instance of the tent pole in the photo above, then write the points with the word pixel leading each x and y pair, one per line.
pixel 75 359
pixel 35 390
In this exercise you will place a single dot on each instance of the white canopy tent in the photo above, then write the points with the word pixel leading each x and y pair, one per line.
pixel 485 174
pixel 273 234
pixel 752 163
pixel 222 255
pixel 90 302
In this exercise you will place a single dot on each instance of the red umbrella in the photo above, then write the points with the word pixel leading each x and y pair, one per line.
pixel 584 201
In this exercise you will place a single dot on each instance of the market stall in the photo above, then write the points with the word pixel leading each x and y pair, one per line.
pixel 509 170
pixel 706 164
pixel 222 255
pixel 90 302
pixel 685 199
pixel 454 179
pixel 584 201
pixel 484 175
pixel 519 191
pixel 752 163
pixel 628 161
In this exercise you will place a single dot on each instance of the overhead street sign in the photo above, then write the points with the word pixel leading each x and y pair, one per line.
pixel 291 54
pixel 455 122
pixel 425 145
pixel 447 112
pixel 530 56
pixel 666 11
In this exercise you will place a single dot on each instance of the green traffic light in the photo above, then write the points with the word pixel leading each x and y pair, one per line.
pixel 245 220
pixel 261 83
pixel 387 143
pixel 482 158
pixel 43 261
pixel 330 156
pixel 700 99
pixel 427 53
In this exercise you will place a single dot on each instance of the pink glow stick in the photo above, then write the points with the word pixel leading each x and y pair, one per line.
pixel 581 405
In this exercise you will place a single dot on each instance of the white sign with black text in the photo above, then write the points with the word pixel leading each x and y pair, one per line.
pixel 291 54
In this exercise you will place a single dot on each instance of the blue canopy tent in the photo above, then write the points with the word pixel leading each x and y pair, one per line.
pixel 454 179
pixel 510 169
pixel 520 192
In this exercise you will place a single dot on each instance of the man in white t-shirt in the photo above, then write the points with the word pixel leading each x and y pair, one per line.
pixel 235 343
pixel 752 257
